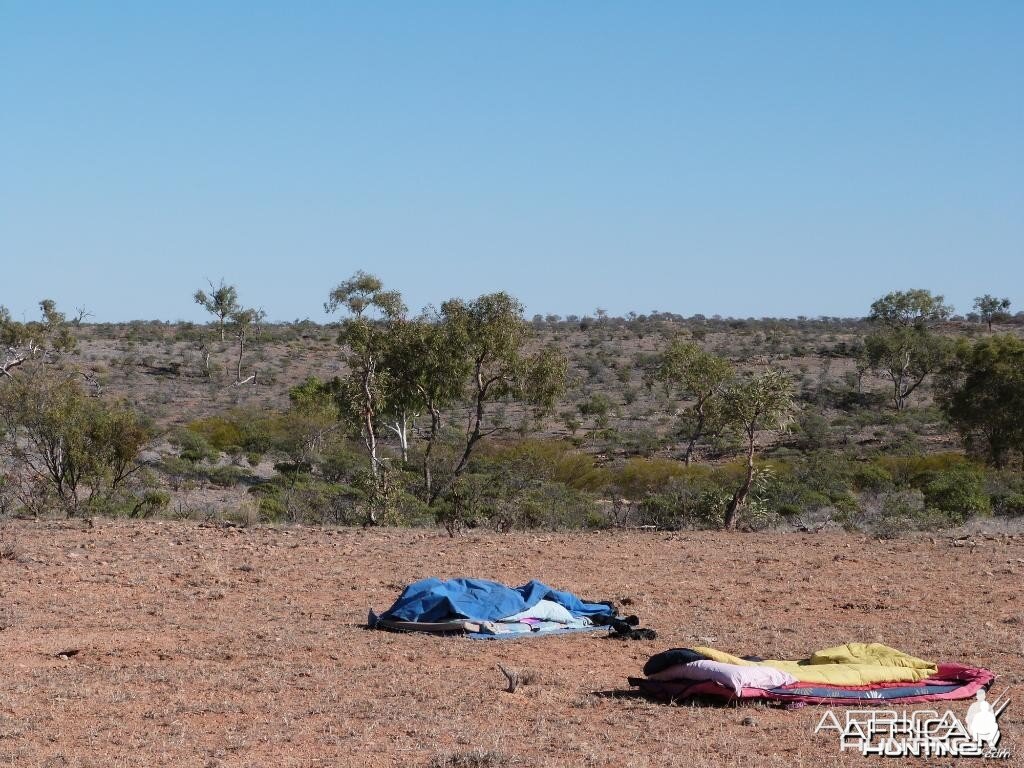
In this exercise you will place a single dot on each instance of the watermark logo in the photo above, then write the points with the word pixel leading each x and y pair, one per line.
pixel 983 720
pixel 921 733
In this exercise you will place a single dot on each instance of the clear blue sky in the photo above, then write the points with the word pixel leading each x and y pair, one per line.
pixel 744 158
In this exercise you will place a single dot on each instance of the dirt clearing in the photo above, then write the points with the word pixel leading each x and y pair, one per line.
pixel 172 644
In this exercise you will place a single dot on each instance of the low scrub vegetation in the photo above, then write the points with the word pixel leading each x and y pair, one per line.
pixel 471 416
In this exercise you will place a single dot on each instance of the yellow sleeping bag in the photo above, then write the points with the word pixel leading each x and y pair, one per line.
pixel 850 664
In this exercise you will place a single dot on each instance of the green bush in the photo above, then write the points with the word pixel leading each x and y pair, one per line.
pixel 913 471
pixel 341 464
pixel 238 431
pixel 549 505
pixel 812 431
pixel 696 500
pixel 512 500
pixel 639 477
pixel 1011 505
pixel 1006 491
pixel 597 404
pixel 958 492
pixel 871 478
pixel 218 432
pixel 192 446
pixel 790 497
pixel 74 451
pixel 227 476
pixel 151 502
pixel 906 511
pixel 308 499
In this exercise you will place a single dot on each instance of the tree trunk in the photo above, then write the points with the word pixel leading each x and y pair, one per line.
pixel 238 368
pixel 401 429
pixel 435 426
pixel 740 497
pixel 899 397
pixel 474 434
pixel 697 432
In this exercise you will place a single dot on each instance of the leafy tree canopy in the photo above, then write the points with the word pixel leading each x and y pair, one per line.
pixel 916 308
pixel 983 396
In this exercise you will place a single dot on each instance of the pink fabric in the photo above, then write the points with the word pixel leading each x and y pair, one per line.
pixel 970 680
pixel 732 676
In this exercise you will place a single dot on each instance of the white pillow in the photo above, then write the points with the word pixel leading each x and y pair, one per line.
pixel 732 676
pixel 547 610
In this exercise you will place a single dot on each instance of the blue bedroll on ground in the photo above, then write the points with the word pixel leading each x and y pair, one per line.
pixel 433 600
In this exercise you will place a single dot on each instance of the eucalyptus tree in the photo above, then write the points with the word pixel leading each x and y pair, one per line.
pixel 754 404
pixel 243 322
pixel 493 340
pixel 903 345
pixel 427 371
pixel 365 334
pixel 906 356
pixel 991 309
pixel 690 373
pixel 221 302
pixel 916 308
pixel 982 394
pixel 33 341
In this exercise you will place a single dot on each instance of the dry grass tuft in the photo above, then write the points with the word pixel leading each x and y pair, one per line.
pixel 472 759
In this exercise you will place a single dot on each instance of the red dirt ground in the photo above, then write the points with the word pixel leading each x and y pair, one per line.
pixel 205 646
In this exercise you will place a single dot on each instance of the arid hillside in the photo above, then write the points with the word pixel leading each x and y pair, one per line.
pixel 570 422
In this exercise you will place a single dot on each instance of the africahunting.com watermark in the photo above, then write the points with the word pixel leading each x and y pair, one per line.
pixel 920 733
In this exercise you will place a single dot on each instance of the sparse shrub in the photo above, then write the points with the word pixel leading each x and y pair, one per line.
pixel 812 430
pixel 67 448
pixel 6 496
pixel 9 550
pixel 898 514
pixel 551 506
pixel 598 405
pixel 633 442
pixel 150 502
pixel 758 513
pixel 913 469
pixel 1006 491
